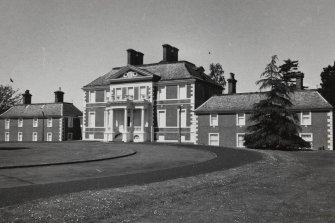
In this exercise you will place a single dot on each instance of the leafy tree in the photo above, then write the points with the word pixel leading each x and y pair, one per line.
pixel 276 126
pixel 216 74
pixel 289 71
pixel 8 97
pixel 328 83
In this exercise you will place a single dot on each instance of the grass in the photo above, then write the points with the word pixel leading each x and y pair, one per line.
pixel 285 187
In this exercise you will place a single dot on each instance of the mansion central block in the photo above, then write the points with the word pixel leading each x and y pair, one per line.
pixel 147 102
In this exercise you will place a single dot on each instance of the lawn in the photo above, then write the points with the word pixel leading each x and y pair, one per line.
pixel 285 187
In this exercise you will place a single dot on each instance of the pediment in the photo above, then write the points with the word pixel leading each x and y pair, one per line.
pixel 131 72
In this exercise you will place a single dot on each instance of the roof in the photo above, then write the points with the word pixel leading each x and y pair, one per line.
pixel 166 71
pixel 35 110
pixel 301 100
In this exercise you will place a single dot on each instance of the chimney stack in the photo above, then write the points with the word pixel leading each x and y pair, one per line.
pixel 232 84
pixel 134 57
pixel 26 98
pixel 170 53
pixel 299 81
pixel 59 96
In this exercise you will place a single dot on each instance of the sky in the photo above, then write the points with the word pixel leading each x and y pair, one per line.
pixel 47 44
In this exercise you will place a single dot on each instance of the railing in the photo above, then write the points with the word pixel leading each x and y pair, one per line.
pixel 137 128
pixel 127 97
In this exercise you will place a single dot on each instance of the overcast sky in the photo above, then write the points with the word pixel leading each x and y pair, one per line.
pixel 50 44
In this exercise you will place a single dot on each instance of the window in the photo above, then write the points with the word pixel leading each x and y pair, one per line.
pixel 143 92
pixel 213 139
pixel 182 118
pixel 240 140
pixel 131 93
pixel 118 94
pixel 35 122
pixel 19 136
pixel 161 118
pixel 49 122
pixel 49 136
pixel 308 137
pixel 108 95
pixel 70 122
pixel 213 120
pixel 91 119
pixel 182 92
pixel 34 136
pixel 20 122
pixel 161 93
pixel 172 92
pixel 6 136
pixel 306 118
pixel 92 96
pixel 240 119
pixel 7 123
pixel 69 135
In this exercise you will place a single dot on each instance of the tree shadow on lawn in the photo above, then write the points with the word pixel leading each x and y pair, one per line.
pixel 13 148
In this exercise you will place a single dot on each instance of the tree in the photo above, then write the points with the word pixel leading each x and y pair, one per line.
pixel 289 71
pixel 276 126
pixel 216 74
pixel 8 97
pixel 328 83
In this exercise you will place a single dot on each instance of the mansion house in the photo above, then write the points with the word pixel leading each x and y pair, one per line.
pixel 147 102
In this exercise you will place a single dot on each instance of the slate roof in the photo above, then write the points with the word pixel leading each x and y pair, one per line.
pixel 35 110
pixel 166 71
pixel 301 100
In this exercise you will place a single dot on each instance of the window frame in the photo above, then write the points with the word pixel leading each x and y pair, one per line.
pixel 33 139
pixel 92 97
pixel 35 122
pixel 49 122
pixel 211 123
pixel 143 96
pixel 20 122
pixel 7 123
pixel 237 141
pixel 158 118
pixel 89 119
pixel 185 91
pixel 209 138
pixel 116 95
pixel 181 123
pixel 133 94
pixel 69 134
pixel 162 93
pixel 19 136
pixel 307 133
pixel 70 122
pixel 7 136
pixel 309 118
pixel 49 134
pixel 238 119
